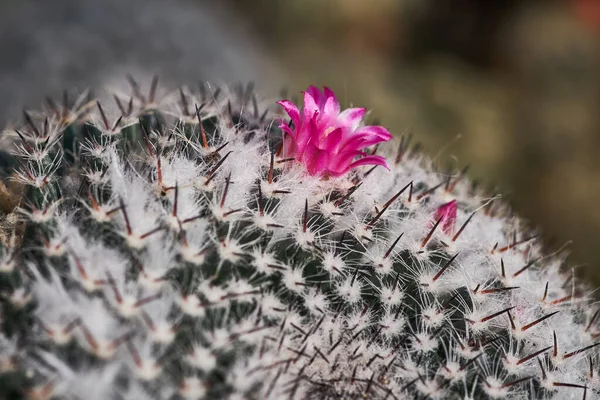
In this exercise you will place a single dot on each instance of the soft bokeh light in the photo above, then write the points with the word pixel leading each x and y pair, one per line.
pixel 510 88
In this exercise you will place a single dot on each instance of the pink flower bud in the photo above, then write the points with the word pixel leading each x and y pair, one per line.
pixel 447 212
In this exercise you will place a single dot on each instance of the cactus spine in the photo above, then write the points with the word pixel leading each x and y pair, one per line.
pixel 168 248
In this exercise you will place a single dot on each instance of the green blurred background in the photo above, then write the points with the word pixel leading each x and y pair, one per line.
pixel 519 81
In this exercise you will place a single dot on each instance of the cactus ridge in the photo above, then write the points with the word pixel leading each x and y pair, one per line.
pixel 166 249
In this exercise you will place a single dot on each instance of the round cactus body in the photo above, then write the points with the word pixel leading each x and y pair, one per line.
pixel 198 246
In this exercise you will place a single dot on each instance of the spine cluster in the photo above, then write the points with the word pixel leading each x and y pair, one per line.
pixel 168 249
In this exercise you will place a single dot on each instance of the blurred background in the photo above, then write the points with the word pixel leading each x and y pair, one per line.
pixel 518 82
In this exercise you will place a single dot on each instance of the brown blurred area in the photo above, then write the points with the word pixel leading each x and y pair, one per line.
pixel 518 81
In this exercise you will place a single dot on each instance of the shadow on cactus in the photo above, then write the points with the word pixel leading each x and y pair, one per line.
pixel 198 246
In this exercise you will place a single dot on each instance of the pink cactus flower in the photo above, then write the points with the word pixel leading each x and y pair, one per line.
pixel 329 142
pixel 447 212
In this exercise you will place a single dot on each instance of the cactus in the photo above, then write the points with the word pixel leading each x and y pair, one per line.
pixel 189 246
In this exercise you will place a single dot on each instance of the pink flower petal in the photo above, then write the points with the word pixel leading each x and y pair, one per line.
pixel 339 163
pixel 331 109
pixel 316 160
pixel 332 141
pixel 306 133
pixel 370 160
pixel 291 109
pixel 352 117
pixel 316 94
pixel 355 142
pixel 363 138
pixel 329 93
pixel 332 105
pixel 311 107
pixel 376 131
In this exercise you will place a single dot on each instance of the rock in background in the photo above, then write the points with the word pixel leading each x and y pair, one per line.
pixel 48 46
